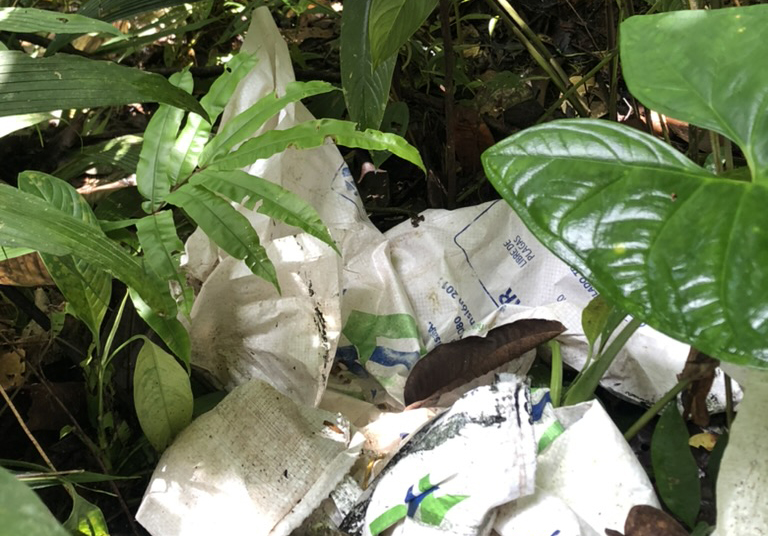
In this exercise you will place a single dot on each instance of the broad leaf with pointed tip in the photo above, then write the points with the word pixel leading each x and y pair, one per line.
pixel 664 239
pixel 659 236
pixel 393 22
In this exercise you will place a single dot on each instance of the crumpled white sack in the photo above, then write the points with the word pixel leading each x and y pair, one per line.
pixel 256 463
pixel 451 474
pixel 742 483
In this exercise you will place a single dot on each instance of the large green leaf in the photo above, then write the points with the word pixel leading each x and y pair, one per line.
pixel 664 239
pixel 243 125
pixel 313 134
pixel 162 395
pixel 22 511
pixel 152 175
pixel 162 249
pixel 86 287
pixel 277 202
pixel 699 66
pixel 62 82
pixel 229 229
pixel 366 89
pixel 28 221
pixel 112 10
pixel 173 332
pixel 393 22
pixel 193 137
pixel 675 470
pixel 19 19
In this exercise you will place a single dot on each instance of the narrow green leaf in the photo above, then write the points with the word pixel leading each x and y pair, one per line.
pixel 162 249
pixel 695 65
pixel 393 22
pixel 313 134
pixel 366 89
pixel 173 332
pixel 676 472
pixel 7 253
pixel 12 123
pixel 152 176
pixel 245 124
pixel 86 287
pixel 162 395
pixel 229 229
pixel 193 137
pixel 16 498
pixel 27 221
pixel 277 202
pixel 118 153
pixel 111 10
pixel 63 82
pixel 19 19
pixel 659 236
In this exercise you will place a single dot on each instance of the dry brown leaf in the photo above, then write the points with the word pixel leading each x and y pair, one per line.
pixel 24 271
pixel 700 368
pixel 455 363
pixel 645 520
pixel 12 367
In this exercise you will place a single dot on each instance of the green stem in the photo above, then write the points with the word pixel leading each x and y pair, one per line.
pixel 584 389
pixel 656 408
pixel 556 383
pixel 571 90
pixel 717 158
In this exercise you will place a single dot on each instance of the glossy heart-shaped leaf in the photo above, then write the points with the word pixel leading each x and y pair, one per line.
pixel 704 67
pixel 662 238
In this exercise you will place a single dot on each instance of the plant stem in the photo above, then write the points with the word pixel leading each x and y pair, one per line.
pixel 572 89
pixel 728 401
pixel 537 51
pixel 584 388
pixel 450 116
pixel 656 408
pixel 556 383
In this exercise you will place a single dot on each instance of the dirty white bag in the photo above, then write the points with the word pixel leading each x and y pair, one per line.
pixel 256 463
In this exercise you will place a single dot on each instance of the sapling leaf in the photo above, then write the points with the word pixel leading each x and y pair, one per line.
pixel 27 221
pixel 196 131
pixel 392 22
pixel 675 470
pixel 366 89
pixel 87 288
pixel 242 126
pixel 153 179
pixel 662 238
pixel 229 229
pixel 314 134
pixel 696 66
pixel 85 518
pixel 62 82
pixel 277 202
pixel 162 249
pixel 162 395
pixel 19 19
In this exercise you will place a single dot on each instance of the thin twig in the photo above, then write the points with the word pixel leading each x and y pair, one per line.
pixel 27 431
